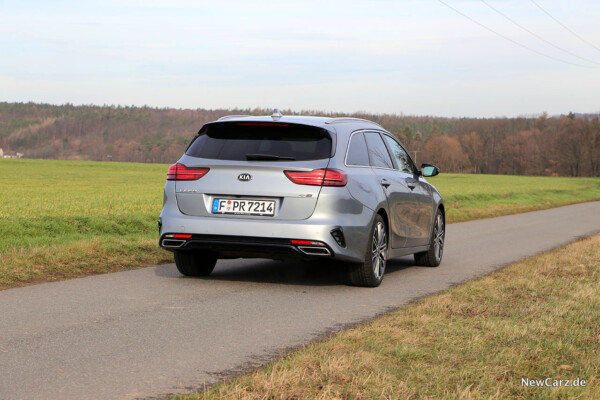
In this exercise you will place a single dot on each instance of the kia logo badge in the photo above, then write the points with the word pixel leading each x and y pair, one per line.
pixel 244 177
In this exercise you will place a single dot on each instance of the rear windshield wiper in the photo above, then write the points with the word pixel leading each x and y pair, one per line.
pixel 267 157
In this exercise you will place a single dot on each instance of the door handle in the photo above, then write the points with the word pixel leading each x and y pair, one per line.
pixel 411 183
pixel 385 183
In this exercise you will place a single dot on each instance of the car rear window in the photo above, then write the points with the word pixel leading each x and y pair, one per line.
pixel 243 141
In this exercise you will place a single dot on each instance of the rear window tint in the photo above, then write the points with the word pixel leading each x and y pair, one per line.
pixel 377 151
pixel 357 151
pixel 235 141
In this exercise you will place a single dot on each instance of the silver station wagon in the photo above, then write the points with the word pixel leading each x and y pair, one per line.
pixel 283 187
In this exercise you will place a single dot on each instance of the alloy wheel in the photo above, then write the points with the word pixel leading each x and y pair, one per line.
pixel 379 250
pixel 438 237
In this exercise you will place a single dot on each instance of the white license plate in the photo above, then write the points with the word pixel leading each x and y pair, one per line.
pixel 243 207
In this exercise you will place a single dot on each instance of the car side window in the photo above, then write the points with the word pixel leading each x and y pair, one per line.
pixel 378 153
pixel 357 151
pixel 402 159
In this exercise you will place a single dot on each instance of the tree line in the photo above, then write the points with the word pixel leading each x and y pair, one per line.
pixel 565 145
pixel 557 146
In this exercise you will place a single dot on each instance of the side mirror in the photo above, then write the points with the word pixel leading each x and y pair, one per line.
pixel 429 170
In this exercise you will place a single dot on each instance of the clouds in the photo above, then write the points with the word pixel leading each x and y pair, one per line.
pixel 415 57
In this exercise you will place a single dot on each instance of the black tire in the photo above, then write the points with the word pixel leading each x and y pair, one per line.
pixel 433 256
pixel 370 272
pixel 195 263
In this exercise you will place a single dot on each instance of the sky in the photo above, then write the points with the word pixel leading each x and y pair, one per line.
pixel 451 58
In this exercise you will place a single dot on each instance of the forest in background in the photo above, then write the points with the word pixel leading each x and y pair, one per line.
pixel 566 145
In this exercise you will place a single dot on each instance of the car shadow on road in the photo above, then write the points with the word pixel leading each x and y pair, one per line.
pixel 288 272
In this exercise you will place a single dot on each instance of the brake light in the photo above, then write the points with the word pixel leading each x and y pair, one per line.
pixel 179 172
pixel 318 177
pixel 260 124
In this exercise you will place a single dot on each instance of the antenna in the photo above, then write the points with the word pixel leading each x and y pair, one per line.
pixel 276 115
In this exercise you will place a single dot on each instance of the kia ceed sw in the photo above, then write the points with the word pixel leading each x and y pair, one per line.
pixel 284 187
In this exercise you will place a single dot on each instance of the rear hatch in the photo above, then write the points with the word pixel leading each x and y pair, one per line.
pixel 247 164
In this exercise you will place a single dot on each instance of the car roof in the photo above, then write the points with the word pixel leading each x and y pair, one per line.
pixel 349 124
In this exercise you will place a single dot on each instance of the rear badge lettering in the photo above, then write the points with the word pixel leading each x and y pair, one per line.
pixel 244 177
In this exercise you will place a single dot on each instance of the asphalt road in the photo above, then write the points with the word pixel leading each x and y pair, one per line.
pixel 148 332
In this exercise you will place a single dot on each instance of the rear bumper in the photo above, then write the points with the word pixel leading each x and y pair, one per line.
pixel 235 237
pixel 247 247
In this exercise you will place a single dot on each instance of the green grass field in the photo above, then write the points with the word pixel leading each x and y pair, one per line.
pixel 61 219
pixel 469 197
pixel 60 202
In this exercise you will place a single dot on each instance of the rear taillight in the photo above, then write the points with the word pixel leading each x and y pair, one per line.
pixel 318 177
pixel 179 172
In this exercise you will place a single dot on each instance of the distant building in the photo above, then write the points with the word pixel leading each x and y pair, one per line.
pixel 11 154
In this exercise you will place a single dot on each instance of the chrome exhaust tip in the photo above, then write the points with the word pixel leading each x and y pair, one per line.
pixel 315 251
pixel 173 243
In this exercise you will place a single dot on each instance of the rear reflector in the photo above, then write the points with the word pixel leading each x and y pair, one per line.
pixel 180 172
pixel 307 242
pixel 181 236
pixel 318 177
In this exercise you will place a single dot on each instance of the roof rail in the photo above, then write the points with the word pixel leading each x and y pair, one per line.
pixel 226 117
pixel 350 119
